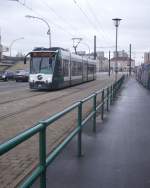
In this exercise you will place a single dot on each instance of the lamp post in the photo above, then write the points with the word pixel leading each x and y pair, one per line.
pixel 116 23
pixel 11 44
pixel 49 29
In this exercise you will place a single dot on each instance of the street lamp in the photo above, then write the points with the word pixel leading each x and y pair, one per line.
pixel 13 43
pixel 49 29
pixel 116 23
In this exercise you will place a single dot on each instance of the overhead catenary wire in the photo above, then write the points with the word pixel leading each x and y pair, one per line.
pixel 99 23
pixel 57 15
pixel 89 20
pixel 60 18
pixel 83 12
pixel 54 24
pixel 23 4
pixel 77 30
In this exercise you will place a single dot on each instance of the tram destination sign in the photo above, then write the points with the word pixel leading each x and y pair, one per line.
pixel 42 54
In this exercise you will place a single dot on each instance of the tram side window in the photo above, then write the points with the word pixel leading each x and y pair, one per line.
pixel 90 69
pixel 76 68
pixel 80 68
pixel 84 68
pixel 66 67
pixel 73 68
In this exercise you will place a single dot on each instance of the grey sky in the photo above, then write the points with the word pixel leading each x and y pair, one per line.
pixel 76 18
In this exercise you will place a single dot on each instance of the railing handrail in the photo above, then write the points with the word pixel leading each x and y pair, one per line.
pixel 41 126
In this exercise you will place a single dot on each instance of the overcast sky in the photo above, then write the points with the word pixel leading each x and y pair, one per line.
pixel 76 18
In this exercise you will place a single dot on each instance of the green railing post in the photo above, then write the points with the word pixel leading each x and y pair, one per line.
pixel 107 99
pixel 111 94
pixel 117 86
pixel 94 110
pixel 80 132
pixel 102 108
pixel 114 90
pixel 42 153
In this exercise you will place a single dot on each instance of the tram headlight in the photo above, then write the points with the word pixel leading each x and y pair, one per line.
pixel 49 80
pixel 31 80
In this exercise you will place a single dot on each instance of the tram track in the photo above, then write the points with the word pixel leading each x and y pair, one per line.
pixel 21 98
pixel 32 107
pixel 25 97
pixel 5 116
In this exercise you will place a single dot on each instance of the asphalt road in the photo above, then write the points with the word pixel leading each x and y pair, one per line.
pixel 12 85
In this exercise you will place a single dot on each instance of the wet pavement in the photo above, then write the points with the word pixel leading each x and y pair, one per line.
pixel 118 155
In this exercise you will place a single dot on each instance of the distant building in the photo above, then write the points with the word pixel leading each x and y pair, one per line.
pixel 121 54
pixel 123 63
pixel 82 53
pixel 102 61
pixel 147 57
pixel 100 54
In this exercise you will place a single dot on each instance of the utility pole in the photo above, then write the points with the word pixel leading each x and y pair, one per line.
pixel 109 64
pixel 95 47
pixel 130 61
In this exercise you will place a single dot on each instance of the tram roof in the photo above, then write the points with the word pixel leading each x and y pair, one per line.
pixel 64 52
pixel 49 49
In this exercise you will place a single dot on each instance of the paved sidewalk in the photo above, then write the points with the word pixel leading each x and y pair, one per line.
pixel 118 155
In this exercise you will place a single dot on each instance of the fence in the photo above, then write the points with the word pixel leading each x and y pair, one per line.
pixel 107 96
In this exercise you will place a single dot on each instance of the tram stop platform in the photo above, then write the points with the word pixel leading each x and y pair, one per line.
pixel 118 155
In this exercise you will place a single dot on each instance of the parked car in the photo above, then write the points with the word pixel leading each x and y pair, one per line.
pixel 22 76
pixel 7 75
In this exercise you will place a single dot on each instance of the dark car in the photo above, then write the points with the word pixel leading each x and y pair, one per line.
pixel 7 75
pixel 21 76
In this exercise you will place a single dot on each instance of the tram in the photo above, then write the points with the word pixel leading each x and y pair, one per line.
pixel 55 68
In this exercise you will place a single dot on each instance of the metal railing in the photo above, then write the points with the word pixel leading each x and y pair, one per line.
pixel 107 96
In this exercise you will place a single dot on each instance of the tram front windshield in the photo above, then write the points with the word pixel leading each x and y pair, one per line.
pixel 43 65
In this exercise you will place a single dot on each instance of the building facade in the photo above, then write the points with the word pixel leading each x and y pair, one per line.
pixel 123 61
pixel 147 57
